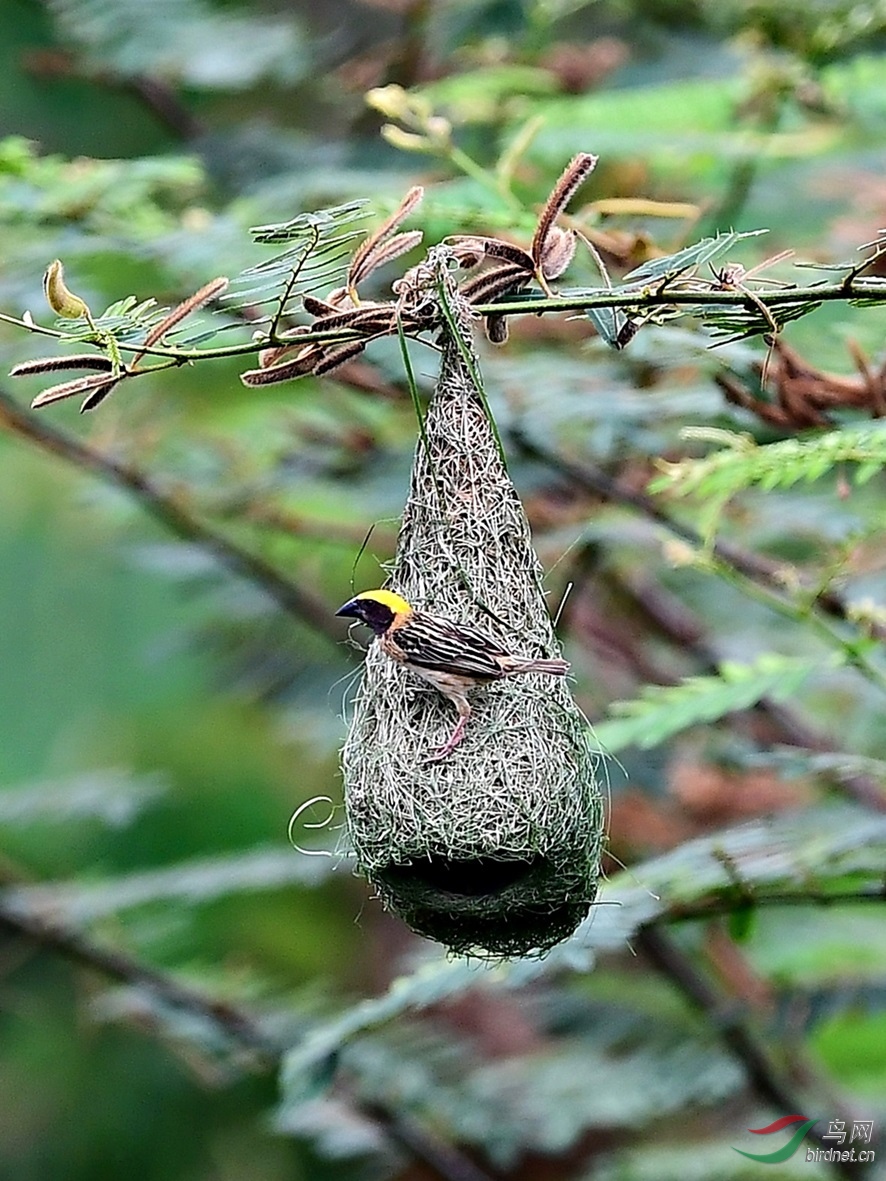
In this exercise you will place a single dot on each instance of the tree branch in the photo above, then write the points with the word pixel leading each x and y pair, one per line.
pixel 655 296
pixel 716 905
pixel 236 1025
pixel 302 604
pixel 164 103
pixel 752 566
pixel 675 622
pixel 442 1159
pixel 765 1078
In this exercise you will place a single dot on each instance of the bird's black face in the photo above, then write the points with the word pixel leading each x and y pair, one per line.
pixel 368 611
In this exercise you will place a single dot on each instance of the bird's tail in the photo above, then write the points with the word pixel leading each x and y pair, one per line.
pixel 517 664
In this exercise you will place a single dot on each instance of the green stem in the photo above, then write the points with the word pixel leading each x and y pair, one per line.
pixel 173 514
pixel 416 403
pixel 467 356
pixel 803 613
pixel 476 172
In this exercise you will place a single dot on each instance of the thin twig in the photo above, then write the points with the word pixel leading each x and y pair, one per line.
pixel 117 965
pixel 446 1161
pixel 292 598
pixel 872 291
pixel 676 622
pixel 438 1154
pixel 165 104
pixel 160 98
pixel 657 297
pixel 753 566
pixel 717 905
pixel 764 1076
pixel 593 479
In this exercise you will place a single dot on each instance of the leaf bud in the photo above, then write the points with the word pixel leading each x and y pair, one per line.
pixel 407 141
pixel 62 300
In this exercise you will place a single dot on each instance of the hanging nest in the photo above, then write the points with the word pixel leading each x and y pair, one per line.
pixel 496 848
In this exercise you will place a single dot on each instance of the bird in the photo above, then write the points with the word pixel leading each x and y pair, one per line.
pixel 454 657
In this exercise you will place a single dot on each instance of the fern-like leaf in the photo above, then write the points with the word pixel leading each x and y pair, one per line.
pixel 189 41
pixel 125 319
pixel 744 464
pixel 669 267
pixel 825 849
pixel 737 322
pixel 113 796
pixel 193 882
pixel 665 710
pixel 318 246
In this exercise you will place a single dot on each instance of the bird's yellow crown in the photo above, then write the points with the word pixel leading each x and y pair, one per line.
pixel 394 602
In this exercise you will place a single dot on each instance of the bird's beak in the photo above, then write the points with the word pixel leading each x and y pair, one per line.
pixel 349 608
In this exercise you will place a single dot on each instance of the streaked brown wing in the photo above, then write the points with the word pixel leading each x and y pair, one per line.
pixel 431 642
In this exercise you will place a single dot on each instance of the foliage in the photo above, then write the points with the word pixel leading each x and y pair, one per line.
pixel 743 464
pixel 666 710
pixel 180 41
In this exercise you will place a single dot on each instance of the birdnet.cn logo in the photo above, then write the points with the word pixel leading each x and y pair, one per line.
pixel 846 1144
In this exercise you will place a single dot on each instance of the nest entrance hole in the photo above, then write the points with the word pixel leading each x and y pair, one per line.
pixel 474 877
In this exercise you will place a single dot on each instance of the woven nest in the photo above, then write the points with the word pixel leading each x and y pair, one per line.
pixel 496 849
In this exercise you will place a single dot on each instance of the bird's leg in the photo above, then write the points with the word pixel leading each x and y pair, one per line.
pixel 464 712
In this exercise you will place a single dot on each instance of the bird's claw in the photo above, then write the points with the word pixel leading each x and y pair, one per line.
pixel 441 752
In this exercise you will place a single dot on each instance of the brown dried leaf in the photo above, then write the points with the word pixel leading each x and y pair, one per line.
pixel 181 311
pixel 339 298
pixel 299 366
pixel 97 397
pixel 338 356
pixel 362 264
pixel 499 281
pixel 386 252
pixel 557 252
pixel 470 250
pixel 271 356
pixel 320 307
pixel 497 329
pixel 365 317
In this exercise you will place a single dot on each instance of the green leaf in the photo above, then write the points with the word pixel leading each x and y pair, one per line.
pixel 742 921
pixel 318 247
pixel 189 41
pixel 792 853
pixel 744 464
pixel 644 1066
pixel 608 323
pixel 194 882
pixel 116 797
pixel 427 985
pixel 687 260
pixel 741 321
pixel 476 96
pixel 665 710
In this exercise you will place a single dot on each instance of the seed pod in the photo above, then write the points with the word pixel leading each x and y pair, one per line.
pixel 96 361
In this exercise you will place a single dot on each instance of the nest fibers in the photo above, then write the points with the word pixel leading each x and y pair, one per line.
pixel 496 849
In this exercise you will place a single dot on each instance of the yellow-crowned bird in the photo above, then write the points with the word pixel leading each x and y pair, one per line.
pixel 454 657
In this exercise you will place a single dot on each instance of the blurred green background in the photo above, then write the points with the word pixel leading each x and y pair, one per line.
pixel 155 712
